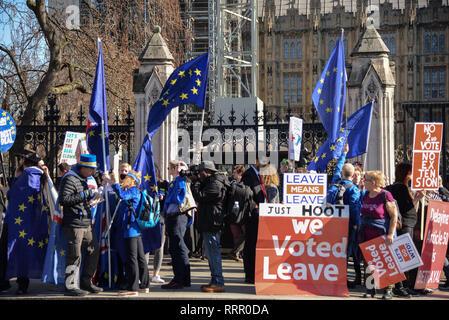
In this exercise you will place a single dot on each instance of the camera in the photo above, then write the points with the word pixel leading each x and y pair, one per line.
pixel 193 171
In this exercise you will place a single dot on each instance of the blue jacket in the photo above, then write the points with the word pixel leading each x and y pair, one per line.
pixel 132 195
pixel 352 197
pixel 176 192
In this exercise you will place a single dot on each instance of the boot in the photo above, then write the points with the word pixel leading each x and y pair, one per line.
pixel 72 282
pixel 90 287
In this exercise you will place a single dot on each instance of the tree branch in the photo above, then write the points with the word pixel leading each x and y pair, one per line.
pixel 18 69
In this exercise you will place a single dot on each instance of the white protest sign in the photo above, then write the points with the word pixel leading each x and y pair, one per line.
pixel 305 188
pixel 405 253
pixel 294 138
pixel 71 141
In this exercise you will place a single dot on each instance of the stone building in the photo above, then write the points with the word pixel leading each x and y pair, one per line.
pixel 294 48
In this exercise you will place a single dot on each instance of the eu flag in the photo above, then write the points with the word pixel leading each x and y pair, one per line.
pixel 330 91
pixel 26 217
pixel 354 132
pixel 145 164
pixel 186 85
pixel 98 114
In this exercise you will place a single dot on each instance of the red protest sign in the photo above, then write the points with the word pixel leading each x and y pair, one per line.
pixel 383 267
pixel 426 155
pixel 434 245
pixel 301 250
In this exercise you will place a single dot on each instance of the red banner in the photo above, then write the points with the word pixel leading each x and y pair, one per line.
pixel 383 267
pixel 434 245
pixel 301 250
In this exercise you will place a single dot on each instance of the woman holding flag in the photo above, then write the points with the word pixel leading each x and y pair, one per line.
pixel 136 267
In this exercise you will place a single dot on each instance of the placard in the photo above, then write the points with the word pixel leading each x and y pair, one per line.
pixel 295 138
pixel 304 188
pixel 381 263
pixel 7 131
pixel 405 253
pixel 426 155
pixel 434 245
pixel 301 250
pixel 70 147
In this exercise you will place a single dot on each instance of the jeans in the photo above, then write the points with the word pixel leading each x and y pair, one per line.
pixel 213 254
pixel 175 226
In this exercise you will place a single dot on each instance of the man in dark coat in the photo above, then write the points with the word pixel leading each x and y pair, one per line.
pixel 210 195
pixel 74 196
pixel 252 179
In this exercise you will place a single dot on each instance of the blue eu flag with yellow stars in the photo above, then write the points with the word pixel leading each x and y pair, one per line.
pixel 354 131
pixel 26 217
pixel 330 91
pixel 186 85
pixel 98 114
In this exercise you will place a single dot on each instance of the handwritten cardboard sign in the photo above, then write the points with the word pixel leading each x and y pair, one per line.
pixel 426 155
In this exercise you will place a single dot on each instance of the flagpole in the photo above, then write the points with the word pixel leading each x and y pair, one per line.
pixel 367 144
pixel 105 193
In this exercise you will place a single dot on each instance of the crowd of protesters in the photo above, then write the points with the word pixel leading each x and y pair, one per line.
pixel 198 199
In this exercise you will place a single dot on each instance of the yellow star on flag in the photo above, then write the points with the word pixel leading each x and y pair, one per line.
pixel 41 244
pixel 173 81
pixel 31 199
pixel 190 72
pixel 328 73
pixel 198 82
pixel 22 207
pixel 332 147
pixel 316 159
pixel 319 91
pixel 18 221
pixel 183 96
pixel 340 139
pixel 154 188
pixel 181 74
pixel 4 113
pixel 323 155
pixel 91 133
pixel 194 90
pixel 31 242
pixel 197 72
pixel 321 101
pixel 62 252
pixel 165 102
pixel 22 234
pixel 328 109
pixel 335 69
pixel 147 177
pixel 322 80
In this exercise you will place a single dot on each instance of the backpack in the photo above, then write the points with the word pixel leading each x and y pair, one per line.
pixel 336 191
pixel 148 211
pixel 241 193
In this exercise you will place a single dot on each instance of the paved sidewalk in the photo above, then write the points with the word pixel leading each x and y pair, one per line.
pixel 235 288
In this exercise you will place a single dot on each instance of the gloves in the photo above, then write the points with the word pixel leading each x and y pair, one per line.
pixel 88 194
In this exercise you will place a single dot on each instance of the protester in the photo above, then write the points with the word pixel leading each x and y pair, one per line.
pixel 407 209
pixel 252 179
pixel 159 253
pixel 378 217
pixel 270 179
pixel 210 194
pixel 175 224
pixel 136 266
pixel 123 170
pixel 74 196
pixel 237 230
pixel 26 224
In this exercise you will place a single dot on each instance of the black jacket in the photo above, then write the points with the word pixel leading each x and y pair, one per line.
pixel 210 196
pixel 251 179
pixel 76 209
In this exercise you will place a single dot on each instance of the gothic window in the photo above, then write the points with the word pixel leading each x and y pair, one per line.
pixel 333 41
pixel 434 41
pixel 435 83
pixel 293 88
pixel 292 48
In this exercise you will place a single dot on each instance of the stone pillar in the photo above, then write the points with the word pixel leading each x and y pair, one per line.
pixel 156 65
pixel 372 77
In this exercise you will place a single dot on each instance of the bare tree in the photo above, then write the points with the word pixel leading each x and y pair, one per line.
pixel 41 55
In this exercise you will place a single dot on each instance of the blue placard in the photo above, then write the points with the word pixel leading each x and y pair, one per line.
pixel 7 131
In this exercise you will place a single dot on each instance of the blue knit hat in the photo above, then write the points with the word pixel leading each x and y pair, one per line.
pixel 88 161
